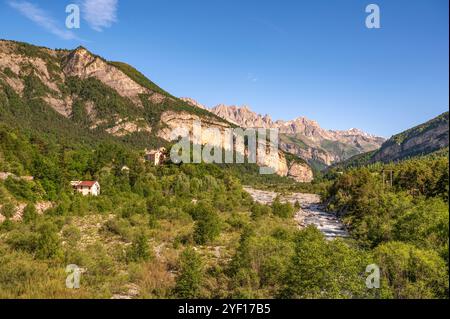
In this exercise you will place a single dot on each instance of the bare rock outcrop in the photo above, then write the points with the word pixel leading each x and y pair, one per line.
pixel 14 67
pixel 309 153
pixel 176 121
pixel 81 63
pixel 124 127
pixel 19 208
pixel 172 121
pixel 242 116
pixel 301 172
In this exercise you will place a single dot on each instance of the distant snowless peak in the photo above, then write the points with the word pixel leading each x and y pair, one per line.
pixel 245 117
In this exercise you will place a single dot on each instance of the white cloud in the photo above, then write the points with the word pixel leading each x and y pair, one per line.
pixel 100 14
pixel 41 18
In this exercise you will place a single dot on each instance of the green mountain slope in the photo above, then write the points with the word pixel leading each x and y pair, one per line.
pixel 420 140
pixel 45 89
pixel 430 137
pixel 77 94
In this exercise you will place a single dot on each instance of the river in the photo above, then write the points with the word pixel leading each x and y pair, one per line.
pixel 310 213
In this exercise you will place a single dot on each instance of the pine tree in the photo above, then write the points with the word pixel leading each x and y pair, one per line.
pixel 29 213
pixel 188 282
pixel 139 250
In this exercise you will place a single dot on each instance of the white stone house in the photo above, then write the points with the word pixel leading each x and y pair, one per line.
pixel 156 157
pixel 86 187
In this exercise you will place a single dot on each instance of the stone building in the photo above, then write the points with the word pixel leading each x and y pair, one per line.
pixel 156 157
pixel 86 187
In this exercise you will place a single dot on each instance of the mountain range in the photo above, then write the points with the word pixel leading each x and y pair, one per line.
pixel 78 95
pixel 301 136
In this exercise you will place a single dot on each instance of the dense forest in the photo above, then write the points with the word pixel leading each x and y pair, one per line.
pixel 400 213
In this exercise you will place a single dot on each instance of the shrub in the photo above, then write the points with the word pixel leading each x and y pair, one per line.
pixel 3 194
pixel 188 282
pixel 72 234
pixel 283 210
pixel 410 272
pixel 23 240
pixel 29 213
pixel 21 189
pixel 152 221
pixel 133 208
pixel 207 228
pixel 139 250
pixel 79 205
pixel 119 226
pixel 324 269
pixel 48 244
pixel 259 210
pixel 8 210
pixel 7 225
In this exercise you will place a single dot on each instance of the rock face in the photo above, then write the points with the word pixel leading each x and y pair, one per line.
pixel 53 70
pixel 83 64
pixel 304 137
pixel 123 127
pixel 300 172
pixel 212 133
pixel 172 121
pixel 242 116
pixel 420 140
pixel 15 66
pixel 53 67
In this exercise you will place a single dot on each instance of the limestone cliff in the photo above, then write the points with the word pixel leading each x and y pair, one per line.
pixel 300 172
pixel 304 137
pixel 183 122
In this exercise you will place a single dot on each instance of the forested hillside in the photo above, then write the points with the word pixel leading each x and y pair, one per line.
pixel 153 227
pixel 150 230
pixel 399 212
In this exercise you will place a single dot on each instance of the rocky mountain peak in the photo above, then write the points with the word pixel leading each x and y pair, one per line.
pixel 304 137
pixel 242 116
pixel 83 64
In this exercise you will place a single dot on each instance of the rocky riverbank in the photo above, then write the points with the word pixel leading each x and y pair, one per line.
pixel 310 213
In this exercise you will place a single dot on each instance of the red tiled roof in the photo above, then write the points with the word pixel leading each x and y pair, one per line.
pixel 87 183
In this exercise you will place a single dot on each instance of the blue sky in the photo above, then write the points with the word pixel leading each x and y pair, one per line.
pixel 285 58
